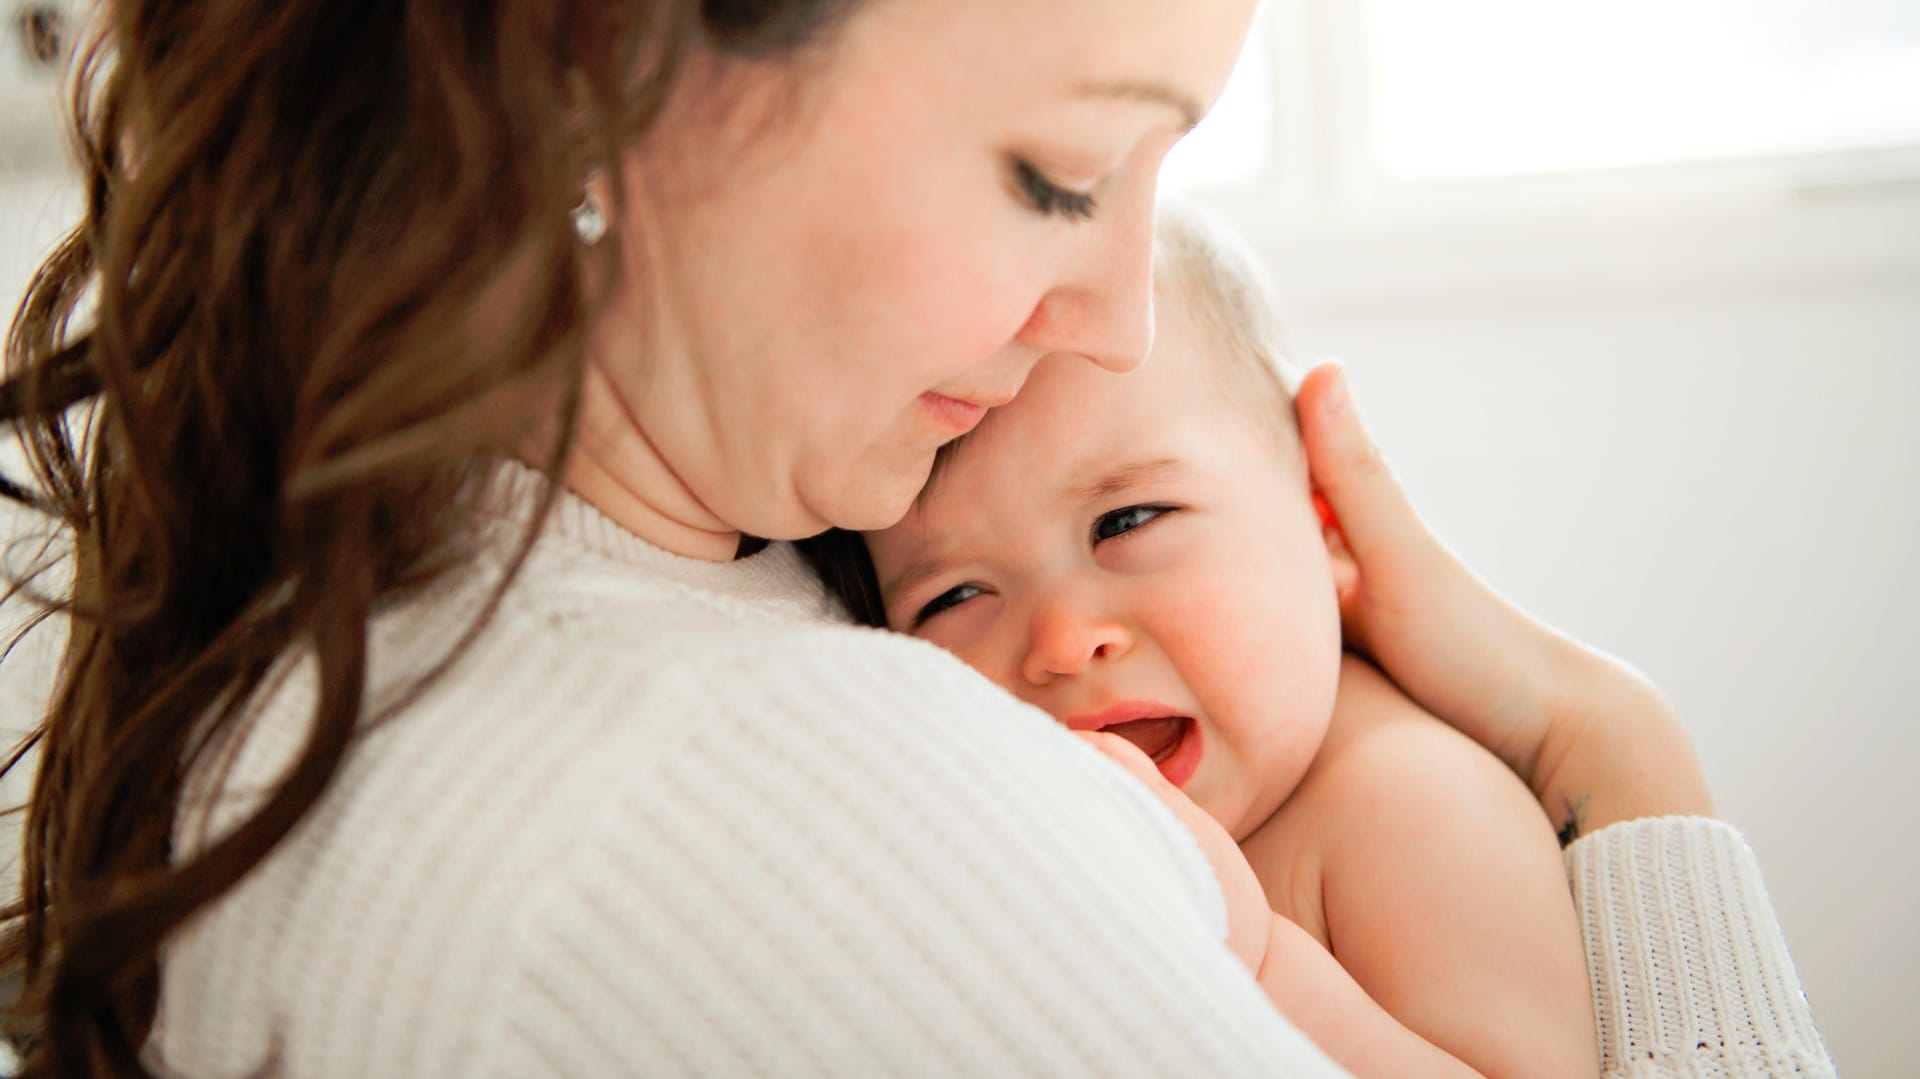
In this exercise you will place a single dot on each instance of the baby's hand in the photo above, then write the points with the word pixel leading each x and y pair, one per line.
pixel 1249 918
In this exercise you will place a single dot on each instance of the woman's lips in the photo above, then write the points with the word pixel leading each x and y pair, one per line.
pixel 1173 743
pixel 953 413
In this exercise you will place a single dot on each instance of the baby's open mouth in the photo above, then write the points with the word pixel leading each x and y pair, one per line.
pixel 1157 738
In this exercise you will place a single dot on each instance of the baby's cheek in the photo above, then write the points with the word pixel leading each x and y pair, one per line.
pixel 1271 698
pixel 1262 760
pixel 1262 638
pixel 982 640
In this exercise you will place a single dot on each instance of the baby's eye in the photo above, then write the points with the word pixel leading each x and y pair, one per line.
pixel 952 597
pixel 1122 521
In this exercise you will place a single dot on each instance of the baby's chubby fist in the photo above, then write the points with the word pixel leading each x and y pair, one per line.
pixel 1249 917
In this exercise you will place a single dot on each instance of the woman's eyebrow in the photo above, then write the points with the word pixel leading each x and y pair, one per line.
pixel 1125 476
pixel 1190 110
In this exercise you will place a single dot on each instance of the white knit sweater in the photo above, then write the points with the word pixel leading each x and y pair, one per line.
pixel 671 817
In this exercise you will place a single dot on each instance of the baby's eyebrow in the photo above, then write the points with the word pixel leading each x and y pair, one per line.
pixel 1128 475
pixel 911 574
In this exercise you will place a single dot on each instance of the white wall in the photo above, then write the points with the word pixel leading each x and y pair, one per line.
pixel 1692 441
pixel 37 205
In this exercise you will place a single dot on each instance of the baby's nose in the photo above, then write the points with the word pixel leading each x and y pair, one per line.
pixel 1066 642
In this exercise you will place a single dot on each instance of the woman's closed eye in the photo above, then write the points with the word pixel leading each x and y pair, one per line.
pixel 1049 198
pixel 1116 523
pixel 945 601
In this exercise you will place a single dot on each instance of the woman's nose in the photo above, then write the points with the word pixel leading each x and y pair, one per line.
pixel 1102 308
pixel 1066 641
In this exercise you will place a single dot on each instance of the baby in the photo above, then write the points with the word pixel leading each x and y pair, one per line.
pixel 1144 554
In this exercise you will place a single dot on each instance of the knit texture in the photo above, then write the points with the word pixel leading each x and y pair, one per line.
pixel 669 817
pixel 1691 972
pixel 673 817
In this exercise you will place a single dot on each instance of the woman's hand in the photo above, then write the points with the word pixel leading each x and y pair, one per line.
pixel 1594 741
pixel 1249 917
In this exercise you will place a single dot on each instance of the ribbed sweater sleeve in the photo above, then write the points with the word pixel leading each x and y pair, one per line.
pixel 1690 969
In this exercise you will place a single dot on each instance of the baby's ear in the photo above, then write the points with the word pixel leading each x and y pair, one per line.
pixel 1346 571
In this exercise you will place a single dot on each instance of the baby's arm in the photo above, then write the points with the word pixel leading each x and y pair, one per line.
pixel 1444 890
pixel 1294 969
pixel 1312 990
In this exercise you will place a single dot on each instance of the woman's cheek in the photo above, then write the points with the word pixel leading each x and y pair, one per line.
pixel 1006 282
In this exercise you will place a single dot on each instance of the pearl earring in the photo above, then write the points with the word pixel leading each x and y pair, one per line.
pixel 589 218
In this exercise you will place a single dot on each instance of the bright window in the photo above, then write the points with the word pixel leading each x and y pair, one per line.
pixel 1335 98
pixel 1498 87
pixel 1232 146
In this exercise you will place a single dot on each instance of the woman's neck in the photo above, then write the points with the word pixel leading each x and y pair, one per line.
pixel 617 470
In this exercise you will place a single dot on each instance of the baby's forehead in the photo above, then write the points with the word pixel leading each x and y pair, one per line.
pixel 1076 457
pixel 1201 342
pixel 942 463
pixel 1203 450
pixel 1215 306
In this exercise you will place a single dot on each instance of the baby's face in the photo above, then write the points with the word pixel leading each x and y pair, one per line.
pixel 1126 552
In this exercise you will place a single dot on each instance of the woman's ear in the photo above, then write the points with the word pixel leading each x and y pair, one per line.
pixel 1346 571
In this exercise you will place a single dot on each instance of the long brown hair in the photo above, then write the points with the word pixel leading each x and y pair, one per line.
pixel 326 275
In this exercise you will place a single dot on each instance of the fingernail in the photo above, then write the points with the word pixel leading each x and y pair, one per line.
pixel 1335 402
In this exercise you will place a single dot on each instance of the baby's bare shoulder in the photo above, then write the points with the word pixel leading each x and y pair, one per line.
pixel 1441 883
pixel 1385 755
pixel 1394 796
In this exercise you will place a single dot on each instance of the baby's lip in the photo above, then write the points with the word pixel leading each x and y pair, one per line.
pixel 1174 741
pixel 1154 727
pixel 1123 712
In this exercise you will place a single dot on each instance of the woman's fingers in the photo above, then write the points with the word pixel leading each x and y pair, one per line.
pixel 1448 640
pixel 1374 515
pixel 1249 916
pixel 1594 741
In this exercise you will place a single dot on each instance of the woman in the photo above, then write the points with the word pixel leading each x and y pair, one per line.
pixel 377 753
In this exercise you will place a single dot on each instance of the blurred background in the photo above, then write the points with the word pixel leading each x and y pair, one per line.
pixel 1630 293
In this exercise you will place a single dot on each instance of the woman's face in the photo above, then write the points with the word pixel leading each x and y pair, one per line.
pixel 837 262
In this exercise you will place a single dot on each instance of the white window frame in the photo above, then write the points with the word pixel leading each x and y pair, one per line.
pixel 1787 221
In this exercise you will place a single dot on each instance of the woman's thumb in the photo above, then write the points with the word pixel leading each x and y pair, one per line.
pixel 1372 511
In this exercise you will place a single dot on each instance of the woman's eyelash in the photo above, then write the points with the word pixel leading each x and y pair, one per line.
pixel 945 601
pixel 1050 198
pixel 1116 523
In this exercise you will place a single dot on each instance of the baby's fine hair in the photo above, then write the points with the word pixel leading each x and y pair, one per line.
pixel 1211 270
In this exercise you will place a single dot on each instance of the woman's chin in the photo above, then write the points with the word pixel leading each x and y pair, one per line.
pixel 846 510
pixel 872 515
pixel 871 500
